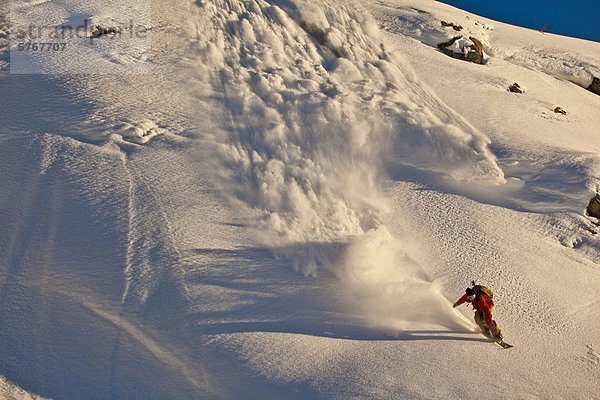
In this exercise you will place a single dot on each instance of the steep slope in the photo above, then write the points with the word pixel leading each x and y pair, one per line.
pixel 282 199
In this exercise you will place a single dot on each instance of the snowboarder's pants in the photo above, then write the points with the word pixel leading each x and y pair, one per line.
pixel 479 318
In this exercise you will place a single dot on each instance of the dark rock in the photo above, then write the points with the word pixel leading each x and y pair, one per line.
pixel 450 42
pixel 453 25
pixel 593 209
pixel 515 88
pixel 559 110
pixel 473 54
pixel 595 86
pixel 101 31
pixel 476 53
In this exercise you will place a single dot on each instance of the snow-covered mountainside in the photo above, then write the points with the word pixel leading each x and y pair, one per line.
pixel 282 199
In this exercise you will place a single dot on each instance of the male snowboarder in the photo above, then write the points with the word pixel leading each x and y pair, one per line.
pixel 484 306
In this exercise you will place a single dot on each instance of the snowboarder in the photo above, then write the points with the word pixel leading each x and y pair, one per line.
pixel 484 306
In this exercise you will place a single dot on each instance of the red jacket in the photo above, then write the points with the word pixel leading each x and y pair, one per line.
pixel 481 303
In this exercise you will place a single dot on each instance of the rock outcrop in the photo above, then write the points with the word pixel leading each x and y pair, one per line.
pixel 595 86
pixel 452 25
pixel 560 110
pixel 464 49
pixel 515 88
pixel 593 208
pixel 101 31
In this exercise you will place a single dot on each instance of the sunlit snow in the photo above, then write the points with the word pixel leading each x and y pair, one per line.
pixel 231 199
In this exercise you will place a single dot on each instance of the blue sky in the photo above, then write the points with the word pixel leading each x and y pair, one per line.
pixel 578 18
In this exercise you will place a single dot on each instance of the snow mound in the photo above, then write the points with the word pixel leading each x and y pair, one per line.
pixel 138 132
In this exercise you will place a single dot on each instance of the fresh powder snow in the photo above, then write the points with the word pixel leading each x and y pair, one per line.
pixel 248 199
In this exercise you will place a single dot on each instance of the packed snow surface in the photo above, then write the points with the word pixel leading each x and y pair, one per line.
pixel 283 198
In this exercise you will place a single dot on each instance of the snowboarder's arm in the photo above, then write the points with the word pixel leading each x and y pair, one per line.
pixel 460 301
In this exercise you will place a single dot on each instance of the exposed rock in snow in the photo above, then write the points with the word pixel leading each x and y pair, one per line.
pixel 593 208
pixel 595 86
pixel 138 133
pixel 464 49
pixel 452 25
pixel 476 53
pixel 101 31
pixel 560 110
pixel 515 88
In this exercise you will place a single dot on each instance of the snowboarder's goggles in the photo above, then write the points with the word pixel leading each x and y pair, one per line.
pixel 471 297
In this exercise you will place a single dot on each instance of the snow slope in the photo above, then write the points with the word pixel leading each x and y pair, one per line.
pixel 282 199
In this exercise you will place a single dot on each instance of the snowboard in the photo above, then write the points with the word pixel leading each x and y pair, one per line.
pixel 503 344
pixel 500 342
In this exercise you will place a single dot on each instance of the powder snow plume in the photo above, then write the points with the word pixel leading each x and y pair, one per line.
pixel 390 288
pixel 313 100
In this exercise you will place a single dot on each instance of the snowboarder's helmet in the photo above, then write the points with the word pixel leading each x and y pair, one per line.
pixel 470 293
